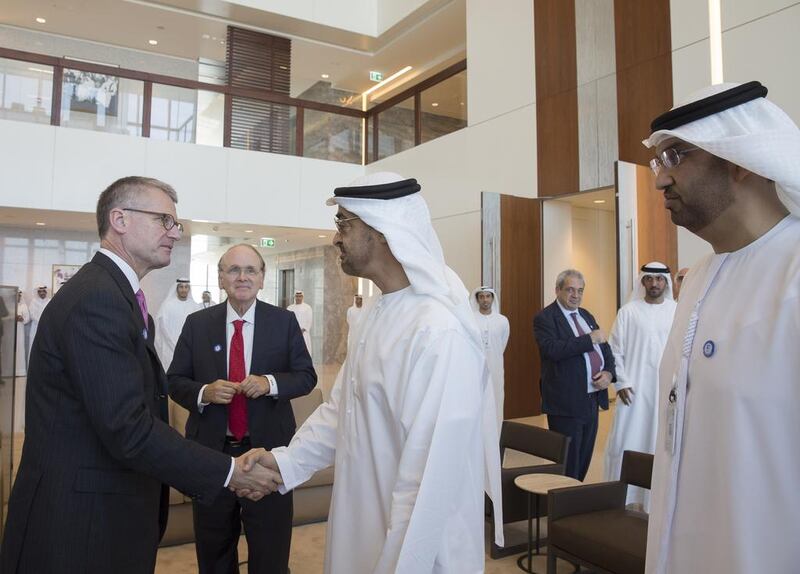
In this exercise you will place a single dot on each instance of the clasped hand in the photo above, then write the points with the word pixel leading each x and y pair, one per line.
pixel 255 474
pixel 221 392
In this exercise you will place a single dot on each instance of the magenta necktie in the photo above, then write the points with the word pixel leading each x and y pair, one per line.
pixel 237 409
pixel 594 356
pixel 142 305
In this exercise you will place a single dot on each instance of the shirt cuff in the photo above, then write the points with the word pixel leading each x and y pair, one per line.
pixel 273 385
pixel 200 404
pixel 286 469
pixel 230 473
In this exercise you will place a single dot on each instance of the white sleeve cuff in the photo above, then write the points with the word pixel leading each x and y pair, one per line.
pixel 200 404
pixel 286 469
pixel 230 473
pixel 273 386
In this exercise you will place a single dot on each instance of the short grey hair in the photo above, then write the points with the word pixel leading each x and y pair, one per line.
pixel 567 273
pixel 122 192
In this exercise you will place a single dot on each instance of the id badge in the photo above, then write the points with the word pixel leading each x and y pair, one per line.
pixel 672 421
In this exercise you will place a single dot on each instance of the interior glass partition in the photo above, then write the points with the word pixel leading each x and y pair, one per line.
pixel 8 331
pixel 26 91
pixel 102 102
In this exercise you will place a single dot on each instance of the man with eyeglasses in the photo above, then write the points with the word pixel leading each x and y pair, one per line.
pixel 577 367
pixel 724 492
pixel 410 422
pixel 91 494
pixel 235 369
pixel 177 305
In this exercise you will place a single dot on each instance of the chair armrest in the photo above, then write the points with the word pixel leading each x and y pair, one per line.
pixel 585 498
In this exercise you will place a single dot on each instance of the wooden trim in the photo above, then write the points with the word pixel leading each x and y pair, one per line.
pixel 263 95
pixel 226 121
pixel 417 118
pixel 147 108
pixel 55 103
pixel 375 146
pixel 421 87
pixel 299 133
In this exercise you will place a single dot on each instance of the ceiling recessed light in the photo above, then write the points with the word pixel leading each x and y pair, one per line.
pixel 462 103
pixel 435 104
pixel 206 37
pixel 213 37
pixel 248 231
pixel 41 20
pixel 283 67
pixel 599 201
pixel 222 42
pixel 40 223
pixel 321 236
pixel 325 76
pixel 153 42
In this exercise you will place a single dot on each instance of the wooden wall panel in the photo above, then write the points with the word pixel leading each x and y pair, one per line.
pixel 657 236
pixel 520 300
pixel 644 72
pixel 556 98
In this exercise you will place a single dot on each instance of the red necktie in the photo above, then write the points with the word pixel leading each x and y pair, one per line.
pixel 237 409
pixel 594 356
pixel 142 305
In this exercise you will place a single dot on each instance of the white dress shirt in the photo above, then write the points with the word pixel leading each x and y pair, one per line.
pixel 130 274
pixel 590 388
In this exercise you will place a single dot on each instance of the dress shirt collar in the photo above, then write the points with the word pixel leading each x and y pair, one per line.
pixel 249 315
pixel 126 269
pixel 567 312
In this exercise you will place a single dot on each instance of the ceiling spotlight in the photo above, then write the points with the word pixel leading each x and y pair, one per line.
pixel 325 76
pixel 322 236
pixel 222 42
pixel 461 103
pixel 599 201
pixel 206 37
pixel 435 104
pixel 41 20
pixel 41 223
pixel 283 67
pixel 248 231
pixel 153 42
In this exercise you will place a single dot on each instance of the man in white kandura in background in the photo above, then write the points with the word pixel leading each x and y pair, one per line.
pixel 207 300
pixel 637 341
pixel 305 316
pixel 494 330
pixel 23 318
pixel 354 312
pixel 410 422
pixel 725 496
pixel 36 308
pixel 170 318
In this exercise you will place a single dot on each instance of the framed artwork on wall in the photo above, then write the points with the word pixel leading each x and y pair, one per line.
pixel 62 273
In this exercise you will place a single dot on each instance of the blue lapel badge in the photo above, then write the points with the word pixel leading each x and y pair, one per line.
pixel 217 348
pixel 708 348
pixel 144 334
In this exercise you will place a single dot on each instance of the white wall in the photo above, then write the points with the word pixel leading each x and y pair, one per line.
pixel 359 16
pixel 45 167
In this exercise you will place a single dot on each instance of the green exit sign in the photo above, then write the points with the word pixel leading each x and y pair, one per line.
pixel 267 242
pixel 375 76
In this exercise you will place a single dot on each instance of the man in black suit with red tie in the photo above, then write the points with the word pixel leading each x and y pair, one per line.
pixel 91 493
pixel 236 367
pixel 577 367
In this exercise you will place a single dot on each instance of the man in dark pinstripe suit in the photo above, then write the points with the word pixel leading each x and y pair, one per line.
pixel 91 495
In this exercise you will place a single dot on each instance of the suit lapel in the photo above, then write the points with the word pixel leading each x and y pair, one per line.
pixel 561 320
pixel 218 338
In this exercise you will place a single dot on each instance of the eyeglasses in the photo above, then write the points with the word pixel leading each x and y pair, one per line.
pixel 339 220
pixel 236 271
pixel 166 219
pixel 669 158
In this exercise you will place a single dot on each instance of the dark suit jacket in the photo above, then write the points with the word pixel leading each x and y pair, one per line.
pixel 201 358
pixel 89 496
pixel 563 379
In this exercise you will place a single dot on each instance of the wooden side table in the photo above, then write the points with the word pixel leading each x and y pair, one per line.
pixel 537 485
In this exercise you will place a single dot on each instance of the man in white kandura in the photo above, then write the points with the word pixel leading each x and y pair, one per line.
pixel 23 318
pixel 36 308
pixel 354 312
pixel 305 316
pixel 725 496
pixel 170 319
pixel 494 330
pixel 410 422
pixel 207 300
pixel 637 341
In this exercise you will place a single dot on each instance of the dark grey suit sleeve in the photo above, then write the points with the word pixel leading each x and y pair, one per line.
pixel 101 362
pixel 182 387
pixel 301 377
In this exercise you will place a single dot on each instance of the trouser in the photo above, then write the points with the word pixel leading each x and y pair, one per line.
pixel 582 433
pixel 267 527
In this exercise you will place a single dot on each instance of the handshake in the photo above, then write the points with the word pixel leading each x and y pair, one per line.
pixel 255 474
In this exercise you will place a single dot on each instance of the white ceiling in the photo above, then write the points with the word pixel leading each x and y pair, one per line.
pixel 590 199
pixel 428 40
pixel 286 238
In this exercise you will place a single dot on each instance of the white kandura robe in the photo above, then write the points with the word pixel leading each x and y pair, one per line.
pixel 169 324
pixel 22 350
pixel 494 329
pixel 36 308
pixel 637 340
pixel 404 427
pixel 728 500
pixel 305 316
pixel 353 314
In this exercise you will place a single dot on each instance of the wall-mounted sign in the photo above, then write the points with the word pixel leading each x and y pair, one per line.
pixel 267 242
pixel 375 76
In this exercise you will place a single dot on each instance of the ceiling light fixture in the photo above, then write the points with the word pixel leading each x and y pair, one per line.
pixel 599 201
pixel 153 42
pixel 41 223
pixel 248 231
pixel 435 104
pixel 206 37
pixel 325 76
pixel 322 236
pixel 41 20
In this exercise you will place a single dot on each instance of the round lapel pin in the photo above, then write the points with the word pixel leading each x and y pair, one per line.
pixel 217 348
pixel 708 348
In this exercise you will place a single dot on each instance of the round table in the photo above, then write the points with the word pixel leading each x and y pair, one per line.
pixel 536 485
